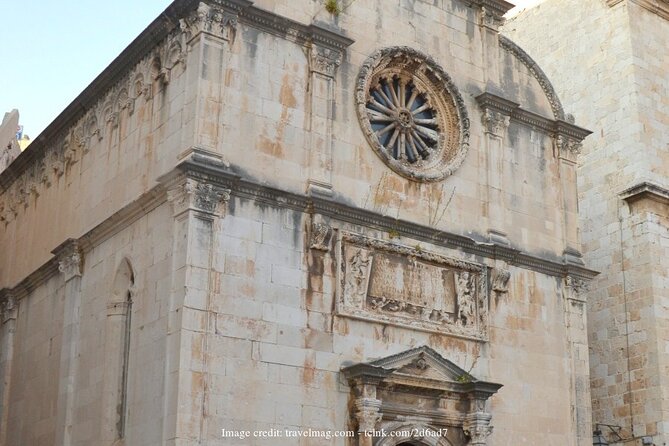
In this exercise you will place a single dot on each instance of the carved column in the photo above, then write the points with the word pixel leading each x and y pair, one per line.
pixel 323 63
pixel 477 425
pixel 575 315
pixel 198 205
pixel 495 119
pixel 9 308
pixel 367 409
pixel 70 264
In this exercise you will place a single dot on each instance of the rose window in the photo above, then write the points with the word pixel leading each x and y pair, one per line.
pixel 412 115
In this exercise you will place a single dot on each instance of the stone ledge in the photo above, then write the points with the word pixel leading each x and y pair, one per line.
pixel 204 167
pixel 512 109
pixel 645 190
pixel 659 7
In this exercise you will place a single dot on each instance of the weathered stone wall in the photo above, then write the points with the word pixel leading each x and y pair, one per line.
pixel 603 61
pixel 60 344
pixel 250 203
pixel 107 158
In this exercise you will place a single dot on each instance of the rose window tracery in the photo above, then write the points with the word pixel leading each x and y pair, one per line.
pixel 412 114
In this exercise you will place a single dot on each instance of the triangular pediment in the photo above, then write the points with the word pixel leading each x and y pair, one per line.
pixel 420 367
pixel 423 362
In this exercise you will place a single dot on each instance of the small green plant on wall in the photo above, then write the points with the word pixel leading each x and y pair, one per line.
pixel 332 6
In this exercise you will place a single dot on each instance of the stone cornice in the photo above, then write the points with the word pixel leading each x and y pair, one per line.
pixel 496 7
pixel 645 190
pixel 659 7
pixel 512 109
pixel 206 168
pixel 158 30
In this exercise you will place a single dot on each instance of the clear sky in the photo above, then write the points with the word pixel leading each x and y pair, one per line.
pixel 50 50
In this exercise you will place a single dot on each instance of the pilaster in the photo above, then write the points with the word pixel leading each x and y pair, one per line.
pixel 9 308
pixel 575 315
pixel 568 148
pixel 495 118
pixel 323 64
pixel 208 33
pixel 70 265
pixel 198 207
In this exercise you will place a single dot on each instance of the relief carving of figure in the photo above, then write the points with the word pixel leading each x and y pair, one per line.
pixel 357 281
pixel 465 295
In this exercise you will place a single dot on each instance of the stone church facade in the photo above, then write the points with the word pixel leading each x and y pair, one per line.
pixel 263 217
pixel 616 84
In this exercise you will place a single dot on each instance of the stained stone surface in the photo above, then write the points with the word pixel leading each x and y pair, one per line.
pixel 217 181
pixel 603 59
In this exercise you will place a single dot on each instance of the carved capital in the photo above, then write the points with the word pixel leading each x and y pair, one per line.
pixel 324 60
pixel 70 259
pixel 568 147
pixel 477 427
pixel 367 413
pixel 495 122
pixel 197 195
pixel 211 19
pixel 575 288
pixel 321 234
pixel 8 306
pixel 491 19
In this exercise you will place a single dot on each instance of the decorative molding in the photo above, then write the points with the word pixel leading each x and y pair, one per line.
pixel 387 384
pixel 324 60
pixel 495 123
pixel 509 46
pixel 213 19
pixel 70 258
pixel 571 133
pixel 429 148
pixel 645 190
pixel 575 288
pixel 659 7
pixel 197 195
pixel 495 7
pixel 198 164
pixel 150 58
pixel 370 288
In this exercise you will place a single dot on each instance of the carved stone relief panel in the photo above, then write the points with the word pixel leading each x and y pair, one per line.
pixel 400 285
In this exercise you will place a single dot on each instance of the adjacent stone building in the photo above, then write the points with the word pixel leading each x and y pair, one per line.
pixel 352 229
pixel 609 63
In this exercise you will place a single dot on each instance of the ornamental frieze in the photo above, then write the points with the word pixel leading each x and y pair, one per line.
pixel 400 285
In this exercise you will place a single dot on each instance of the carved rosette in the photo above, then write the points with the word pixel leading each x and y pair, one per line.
pixel 412 114
pixel 196 195
pixel 324 60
